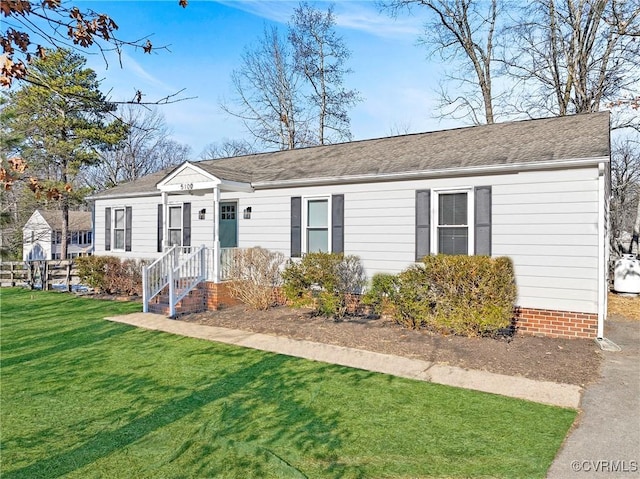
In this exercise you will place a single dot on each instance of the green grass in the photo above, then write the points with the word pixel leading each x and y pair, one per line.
pixel 85 398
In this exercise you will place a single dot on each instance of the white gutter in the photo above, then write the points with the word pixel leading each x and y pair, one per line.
pixel 410 175
pixel 138 194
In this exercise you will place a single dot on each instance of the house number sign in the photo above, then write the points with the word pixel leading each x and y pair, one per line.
pixel 186 186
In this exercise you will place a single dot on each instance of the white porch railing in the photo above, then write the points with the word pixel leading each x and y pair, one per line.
pixel 156 276
pixel 182 268
pixel 191 271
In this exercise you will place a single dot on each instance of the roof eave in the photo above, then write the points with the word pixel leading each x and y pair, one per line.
pixel 426 174
pixel 113 196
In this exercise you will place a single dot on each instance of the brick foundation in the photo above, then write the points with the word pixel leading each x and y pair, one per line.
pixel 541 322
pixel 556 324
pixel 217 295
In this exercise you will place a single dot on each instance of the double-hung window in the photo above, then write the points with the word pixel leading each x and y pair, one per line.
pixel 117 232
pixel 453 223
pixel 175 225
pixel 317 225
pixel 119 225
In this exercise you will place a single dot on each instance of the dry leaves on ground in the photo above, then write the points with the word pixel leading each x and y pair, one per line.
pixel 626 306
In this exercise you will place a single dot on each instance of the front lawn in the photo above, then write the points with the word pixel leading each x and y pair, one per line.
pixel 86 398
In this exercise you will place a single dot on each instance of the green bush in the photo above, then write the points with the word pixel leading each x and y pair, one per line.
pixel 475 294
pixel 465 295
pixel 92 269
pixel 322 281
pixel 381 294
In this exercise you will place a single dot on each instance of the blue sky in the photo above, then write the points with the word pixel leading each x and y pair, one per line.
pixel 206 41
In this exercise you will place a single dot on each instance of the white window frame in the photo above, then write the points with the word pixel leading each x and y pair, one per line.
pixel 169 228
pixel 305 216
pixel 435 224
pixel 114 229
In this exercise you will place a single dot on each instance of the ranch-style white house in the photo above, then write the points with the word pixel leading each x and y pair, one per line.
pixel 536 191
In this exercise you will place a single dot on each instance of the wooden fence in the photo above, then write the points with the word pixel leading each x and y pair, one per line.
pixel 45 275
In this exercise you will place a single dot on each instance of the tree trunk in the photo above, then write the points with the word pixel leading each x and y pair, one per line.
pixel 635 237
pixel 65 228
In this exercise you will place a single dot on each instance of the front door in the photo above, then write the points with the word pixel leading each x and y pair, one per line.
pixel 228 224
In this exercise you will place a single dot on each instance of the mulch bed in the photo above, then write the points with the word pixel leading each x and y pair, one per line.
pixel 572 361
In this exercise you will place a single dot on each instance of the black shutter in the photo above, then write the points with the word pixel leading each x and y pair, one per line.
pixel 127 228
pixel 482 220
pixel 296 227
pixel 423 224
pixel 107 229
pixel 186 224
pixel 160 229
pixel 337 223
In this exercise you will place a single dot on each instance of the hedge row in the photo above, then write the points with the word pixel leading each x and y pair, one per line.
pixel 465 295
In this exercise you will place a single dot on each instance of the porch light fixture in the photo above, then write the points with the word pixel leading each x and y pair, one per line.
pixel 202 213
pixel 246 214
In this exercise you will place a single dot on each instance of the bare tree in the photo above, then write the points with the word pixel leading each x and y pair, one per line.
pixel 573 56
pixel 320 55
pixel 625 202
pixel 30 27
pixel 267 91
pixel 146 148
pixel 462 33
pixel 227 149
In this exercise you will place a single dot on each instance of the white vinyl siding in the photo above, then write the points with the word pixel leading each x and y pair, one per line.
pixel 546 221
pixel 144 229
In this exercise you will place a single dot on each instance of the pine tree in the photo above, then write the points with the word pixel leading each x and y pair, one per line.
pixel 65 121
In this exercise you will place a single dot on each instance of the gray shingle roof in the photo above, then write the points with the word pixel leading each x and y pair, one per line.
pixel 78 220
pixel 519 142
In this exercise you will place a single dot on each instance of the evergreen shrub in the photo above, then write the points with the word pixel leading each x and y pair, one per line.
pixel 464 295
pixel 323 281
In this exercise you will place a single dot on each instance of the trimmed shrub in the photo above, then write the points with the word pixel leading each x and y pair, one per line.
pixel 110 274
pixel 124 277
pixel 464 295
pixel 92 269
pixel 381 294
pixel 322 281
pixel 475 295
pixel 253 274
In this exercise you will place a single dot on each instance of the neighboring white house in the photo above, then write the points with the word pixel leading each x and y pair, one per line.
pixel 42 235
pixel 536 191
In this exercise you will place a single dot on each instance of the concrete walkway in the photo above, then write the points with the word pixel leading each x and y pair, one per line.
pixel 606 441
pixel 563 395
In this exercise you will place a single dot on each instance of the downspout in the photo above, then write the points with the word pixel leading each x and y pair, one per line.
pixel 603 250
pixel 216 235
pixel 92 248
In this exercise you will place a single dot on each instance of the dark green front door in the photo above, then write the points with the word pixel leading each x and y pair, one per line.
pixel 228 224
